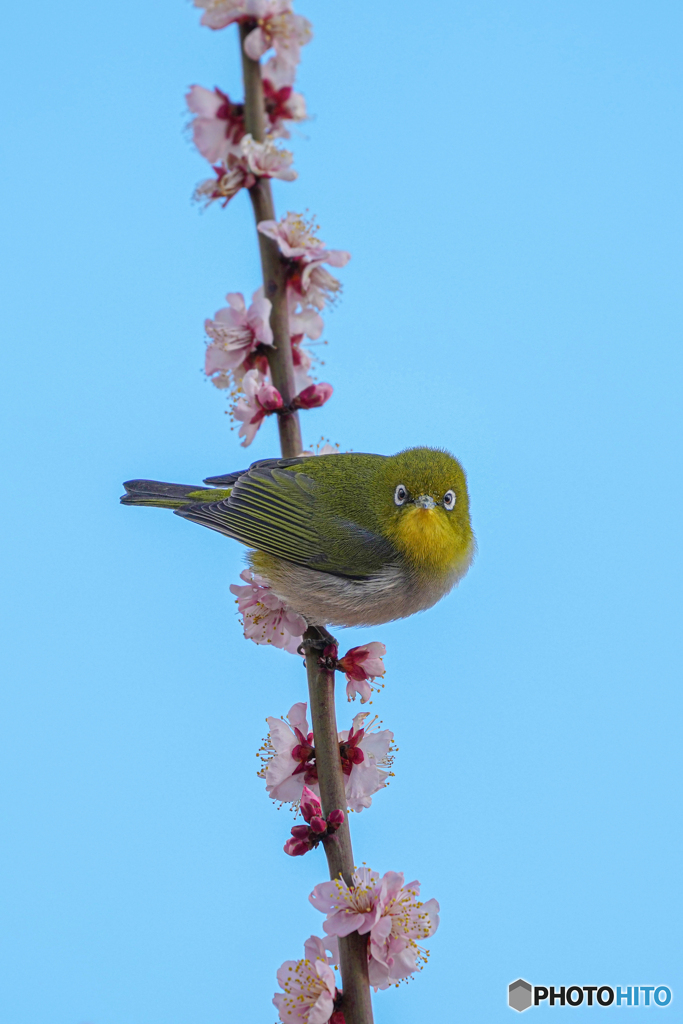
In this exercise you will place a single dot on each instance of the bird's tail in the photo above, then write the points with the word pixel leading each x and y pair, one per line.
pixel 161 495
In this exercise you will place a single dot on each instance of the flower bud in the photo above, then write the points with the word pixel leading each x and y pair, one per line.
pixel 334 820
pixel 313 396
pixel 296 847
pixel 269 398
pixel 310 805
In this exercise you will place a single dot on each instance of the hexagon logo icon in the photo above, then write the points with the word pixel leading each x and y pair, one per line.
pixel 519 995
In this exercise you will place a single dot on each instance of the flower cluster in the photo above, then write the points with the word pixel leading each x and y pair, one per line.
pixel 289 765
pixel 218 127
pixel 260 399
pixel 317 828
pixel 240 338
pixel 237 338
pixel 240 170
pixel 389 912
pixel 309 992
pixel 276 27
pixel 296 236
pixel 218 123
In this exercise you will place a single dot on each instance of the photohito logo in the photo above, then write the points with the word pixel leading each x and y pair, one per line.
pixel 522 995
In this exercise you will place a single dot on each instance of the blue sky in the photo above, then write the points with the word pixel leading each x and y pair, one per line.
pixel 507 178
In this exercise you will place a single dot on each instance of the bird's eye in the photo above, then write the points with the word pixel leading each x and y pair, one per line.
pixel 400 495
pixel 449 501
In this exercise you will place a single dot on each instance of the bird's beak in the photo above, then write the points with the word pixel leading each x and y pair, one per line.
pixel 425 501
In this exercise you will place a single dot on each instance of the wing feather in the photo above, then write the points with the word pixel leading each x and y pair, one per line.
pixel 275 508
pixel 267 510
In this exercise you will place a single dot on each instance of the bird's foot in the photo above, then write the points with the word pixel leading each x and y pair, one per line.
pixel 317 638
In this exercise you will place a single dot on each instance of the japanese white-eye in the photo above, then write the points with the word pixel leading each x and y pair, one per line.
pixel 345 539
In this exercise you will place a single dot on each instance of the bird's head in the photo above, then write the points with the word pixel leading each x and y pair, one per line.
pixel 423 506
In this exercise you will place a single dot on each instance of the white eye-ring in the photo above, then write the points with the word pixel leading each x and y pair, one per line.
pixel 400 495
pixel 449 501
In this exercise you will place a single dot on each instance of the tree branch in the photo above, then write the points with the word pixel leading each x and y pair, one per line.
pixel 356 1002
pixel 273 265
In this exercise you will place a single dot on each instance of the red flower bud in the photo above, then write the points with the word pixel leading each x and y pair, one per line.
pixel 335 819
pixel 269 398
pixel 310 805
pixel 313 396
pixel 296 847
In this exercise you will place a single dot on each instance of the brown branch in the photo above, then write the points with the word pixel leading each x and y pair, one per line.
pixel 356 1002
pixel 273 265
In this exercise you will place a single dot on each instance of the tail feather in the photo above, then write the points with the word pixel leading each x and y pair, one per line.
pixel 162 495
pixel 226 480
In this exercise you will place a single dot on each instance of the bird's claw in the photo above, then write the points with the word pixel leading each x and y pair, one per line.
pixel 317 638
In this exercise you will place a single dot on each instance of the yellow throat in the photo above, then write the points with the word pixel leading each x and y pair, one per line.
pixel 429 542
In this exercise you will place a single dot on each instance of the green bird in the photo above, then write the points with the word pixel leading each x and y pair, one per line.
pixel 344 539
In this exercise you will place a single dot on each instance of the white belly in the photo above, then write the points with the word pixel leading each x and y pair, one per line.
pixel 326 600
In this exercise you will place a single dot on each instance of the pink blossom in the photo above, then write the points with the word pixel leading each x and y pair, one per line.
pixel 386 908
pixel 361 664
pixel 240 169
pixel 266 619
pixel 281 102
pixel 309 988
pixel 350 909
pixel 219 13
pixel 277 27
pixel 302 322
pixel 305 321
pixel 265 160
pixel 288 746
pixel 231 177
pixel 278 73
pixel 297 240
pixel 301 359
pixel 236 331
pixel 394 952
pixel 219 124
pixel 368 777
pixel 259 399
pixel 289 759
pixel 317 285
pixel 295 235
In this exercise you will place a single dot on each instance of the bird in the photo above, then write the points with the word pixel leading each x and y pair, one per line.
pixel 343 539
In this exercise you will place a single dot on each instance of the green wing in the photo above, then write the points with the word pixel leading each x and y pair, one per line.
pixel 228 479
pixel 279 510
